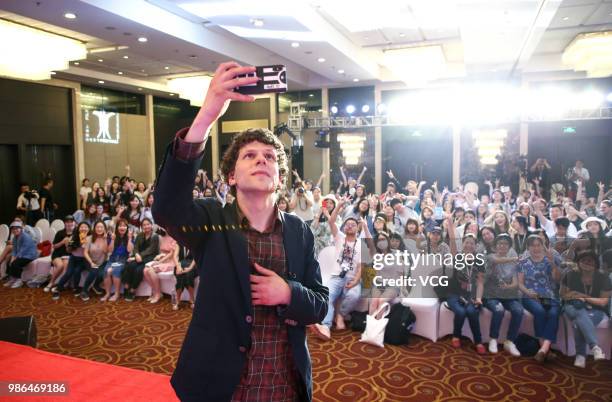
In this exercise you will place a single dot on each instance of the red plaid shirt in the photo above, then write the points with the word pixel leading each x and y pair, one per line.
pixel 269 373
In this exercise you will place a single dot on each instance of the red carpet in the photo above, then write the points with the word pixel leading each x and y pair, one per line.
pixel 87 380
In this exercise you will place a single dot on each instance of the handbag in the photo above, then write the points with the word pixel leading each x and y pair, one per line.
pixel 374 333
pixel 401 321
pixel 358 320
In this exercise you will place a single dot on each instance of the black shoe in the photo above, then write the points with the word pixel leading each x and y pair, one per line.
pixel 129 296
pixel 97 290
pixel 55 295
pixel 84 296
pixel 76 292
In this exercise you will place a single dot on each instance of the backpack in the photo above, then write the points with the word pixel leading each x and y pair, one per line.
pixel 527 345
pixel 401 321
pixel 358 320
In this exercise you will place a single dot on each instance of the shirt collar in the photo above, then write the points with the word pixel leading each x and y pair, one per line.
pixel 244 221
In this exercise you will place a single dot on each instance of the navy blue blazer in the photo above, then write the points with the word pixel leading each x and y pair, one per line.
pixel 219 335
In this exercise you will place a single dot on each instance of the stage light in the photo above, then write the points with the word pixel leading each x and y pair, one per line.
pixel 70 16
pixel 350 109
pixel 334 109
pixel 365 108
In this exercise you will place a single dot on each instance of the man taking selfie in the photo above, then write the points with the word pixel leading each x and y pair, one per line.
pixel 260 282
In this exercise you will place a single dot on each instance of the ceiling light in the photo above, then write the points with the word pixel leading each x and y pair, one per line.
pixel 565 18
pixel 321 60
pixel 140 89
pixel 350 109
pixel 126 57
pixel 100 82
pixel 295 44
pixel 120 73
pixel 310 95
pixel 590 52
pixel 171 94
pixel 32 54
pixel 76 63
pixel 365 108
pixel 52 73
pixel 355 79
pixel 334 109
pixel 340 71
pixel 257 22
pixel 166 68
pixel 70 16
pixel 100 60
pixel 142 39
pixel 193 88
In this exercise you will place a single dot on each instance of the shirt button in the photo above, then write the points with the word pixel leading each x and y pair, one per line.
pixel 249 319
pixel 242 349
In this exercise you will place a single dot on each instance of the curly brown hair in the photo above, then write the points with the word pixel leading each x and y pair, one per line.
pixel 262 135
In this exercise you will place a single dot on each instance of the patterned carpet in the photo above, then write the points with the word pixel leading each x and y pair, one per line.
pixel 148 337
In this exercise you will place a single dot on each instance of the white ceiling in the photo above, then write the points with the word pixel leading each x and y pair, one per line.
pixel 479 37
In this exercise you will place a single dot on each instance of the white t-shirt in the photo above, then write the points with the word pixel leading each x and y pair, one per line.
pixel 348 255
pixel 549 226
pixel 84 192
pixel 307 213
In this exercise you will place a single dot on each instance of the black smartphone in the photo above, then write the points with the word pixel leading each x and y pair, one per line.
pixel 273 79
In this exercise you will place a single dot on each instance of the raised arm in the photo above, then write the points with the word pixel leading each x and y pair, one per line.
pixel 361 174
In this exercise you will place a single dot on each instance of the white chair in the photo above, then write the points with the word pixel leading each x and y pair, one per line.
pixel 43 224
pixel 424 304
pixel 39 233
pixel 49 234
pixel 603 332
pixel 58 225
pixel 4 233
pixel 327 262
pixel 41 265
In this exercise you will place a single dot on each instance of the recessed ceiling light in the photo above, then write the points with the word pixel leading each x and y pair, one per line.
pixel 140 89
pixel 401 35
pixel 76 63
pixel 53 73
pixel 355 79
pixel 340 71
pixel 100 60
pixel 142 39
pixel 126 57
pixel 100 82
pixel 120 73
pixel 565 18
pixel 171 94
pixel 311 95
pixel 166 68
pixel 258 22
pixel 142 70
pixel 70 16
pixel 321 60
pixel 295 44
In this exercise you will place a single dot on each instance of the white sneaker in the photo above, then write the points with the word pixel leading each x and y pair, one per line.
pixel 493 346
pixel 580 361
pixel 9 282
pixel 47 288
pixel 598 354
pixel 17 284
pixel 511 348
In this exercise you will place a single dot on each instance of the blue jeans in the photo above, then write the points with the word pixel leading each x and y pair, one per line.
pixel 117 268
pixel 337 289
pixel 498 308
pixel 584 323
pixel 545 319
pixel 76 265
pixel 95 274
pixel 471 311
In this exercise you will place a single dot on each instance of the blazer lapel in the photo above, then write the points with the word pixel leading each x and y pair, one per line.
pixel 237 244
pixel 289 237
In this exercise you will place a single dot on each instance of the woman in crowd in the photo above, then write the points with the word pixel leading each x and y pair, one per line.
pixel 23 252
pixel 101 199
pixel 141 191
pixel 185 273
pixel 466 286
pixel 382 292
pixel 165 261
pixel 482 213
pixel 487 238
pixel 84 193
pixel 95 251
pixel 537 276
pixel 93 193
pixel 413 238
pixel 525 211
pixel 427 219
pixel 60 254
pixel 301 203
pixel 320 225
pixel 113 195
pixel 148 205
pixel 221 192
pixel 76 262
pixel 283 204
pixel 133 214
pixel 91 214
pixel 597 230
pixel 501 293
pixel 316 201
pixel 121 246
pixel 521 231
pixel 586 293
pixel 146 247
pixel 499 222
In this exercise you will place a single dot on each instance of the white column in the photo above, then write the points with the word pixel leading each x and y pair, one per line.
pixel 456 155
pixel 325 151
pixel 78 142
pixel 377 146
pixel 149 111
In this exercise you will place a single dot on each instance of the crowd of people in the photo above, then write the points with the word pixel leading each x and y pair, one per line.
pixel 548 250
